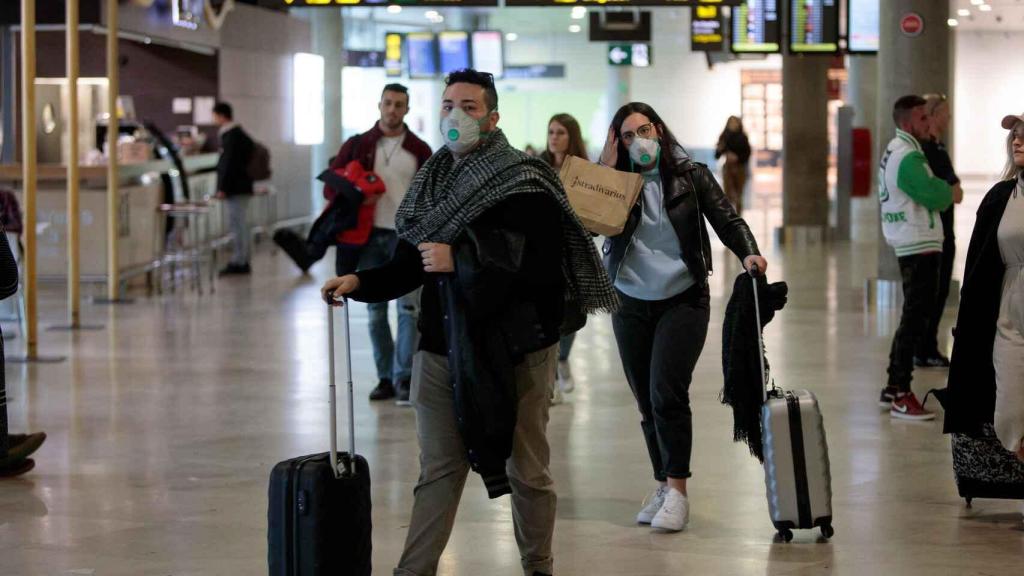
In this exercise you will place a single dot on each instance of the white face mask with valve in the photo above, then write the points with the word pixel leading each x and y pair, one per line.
pixel 461 132
pixel 644 151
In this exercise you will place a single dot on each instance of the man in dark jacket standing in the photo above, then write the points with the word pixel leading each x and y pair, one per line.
pixel 489 234
pixel 234 185
pixel 927 354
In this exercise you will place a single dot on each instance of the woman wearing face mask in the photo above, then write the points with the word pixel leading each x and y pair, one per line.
pixel 564 139
pixel 660 265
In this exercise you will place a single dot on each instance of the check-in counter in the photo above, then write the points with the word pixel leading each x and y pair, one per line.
pixel 140 227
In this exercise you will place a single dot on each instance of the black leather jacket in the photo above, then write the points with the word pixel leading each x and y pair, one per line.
pixel 690 193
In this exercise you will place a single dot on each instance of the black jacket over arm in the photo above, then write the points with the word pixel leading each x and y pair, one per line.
pixel 504 300
pixel 741 356
pixel 233 167
pixel 970 397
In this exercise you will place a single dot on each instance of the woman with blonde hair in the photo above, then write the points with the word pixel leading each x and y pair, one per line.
pixel 564 139
pixel 986 375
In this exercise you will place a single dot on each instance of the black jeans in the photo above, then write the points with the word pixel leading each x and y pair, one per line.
pixel 659 343
pixel 928 345
pixel 920 288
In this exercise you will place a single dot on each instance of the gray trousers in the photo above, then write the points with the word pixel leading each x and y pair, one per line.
pixel 238 224
pixel 444 467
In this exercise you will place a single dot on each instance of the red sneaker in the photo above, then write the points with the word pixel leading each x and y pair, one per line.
pixel 906 407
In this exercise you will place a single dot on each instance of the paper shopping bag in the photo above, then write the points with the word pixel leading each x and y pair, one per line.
pixel 602 197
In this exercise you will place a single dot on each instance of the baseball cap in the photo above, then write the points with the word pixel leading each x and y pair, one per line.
pixel 1010 121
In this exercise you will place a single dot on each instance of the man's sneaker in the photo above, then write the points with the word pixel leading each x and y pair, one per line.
pixel 556 395
pixel 236 270
pixel 565 379
pixel 402 393
pixel 674 514
pixel 907 407
pixel 384 390
pixel 932 361
pixel 654 503
pixel 888 396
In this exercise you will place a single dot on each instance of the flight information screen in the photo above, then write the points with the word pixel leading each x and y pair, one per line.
pixel 756 26
pixel 862 26
pixel 814 25
pixel 488 52
pixel 381 3
pixel 454 50
pixel 422 53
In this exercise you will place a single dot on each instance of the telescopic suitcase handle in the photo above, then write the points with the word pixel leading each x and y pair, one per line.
pixel 348 467
pixel 754 273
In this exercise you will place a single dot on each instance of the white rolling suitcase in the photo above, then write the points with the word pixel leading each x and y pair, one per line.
pixel 796 466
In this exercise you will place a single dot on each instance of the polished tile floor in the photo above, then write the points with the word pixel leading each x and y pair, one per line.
pixel 164 426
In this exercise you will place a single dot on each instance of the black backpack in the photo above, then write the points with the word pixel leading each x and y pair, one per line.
pixel 259 163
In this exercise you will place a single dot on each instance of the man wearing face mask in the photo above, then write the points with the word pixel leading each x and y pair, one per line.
pixel 488 233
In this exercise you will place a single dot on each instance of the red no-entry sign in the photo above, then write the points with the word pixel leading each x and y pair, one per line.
pixel 911 24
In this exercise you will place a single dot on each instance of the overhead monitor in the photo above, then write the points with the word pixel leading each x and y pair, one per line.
pixel 489 52
pixel 422 53
pixel 343 3
pixel 453 47
pixel 49 12
pixel 813 26
pixel 862 26
pixel 607 3
pixel 628 26
pixel 394 52
pixel 707 29
pixel 756 27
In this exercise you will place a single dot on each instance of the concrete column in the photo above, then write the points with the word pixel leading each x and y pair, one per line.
pixel 328 41
pixel 862 88
pixel 617 92
pixel 862 96
pixel 805 203
pixel 908 65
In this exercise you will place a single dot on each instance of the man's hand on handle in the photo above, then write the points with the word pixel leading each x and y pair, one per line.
pixel 338 287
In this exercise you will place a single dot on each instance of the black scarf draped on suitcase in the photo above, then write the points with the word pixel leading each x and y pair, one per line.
pixel 740 363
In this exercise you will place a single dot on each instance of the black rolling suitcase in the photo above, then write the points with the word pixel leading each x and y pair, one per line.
pixel 319 516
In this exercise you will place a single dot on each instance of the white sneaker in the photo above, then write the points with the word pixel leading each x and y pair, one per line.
pixel 565 379
pixel 556 395
pixel 674 514
pixel 654 503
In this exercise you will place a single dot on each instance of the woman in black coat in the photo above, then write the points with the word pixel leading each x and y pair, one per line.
pixel 986 383
pixel 735 146
pixel 15 449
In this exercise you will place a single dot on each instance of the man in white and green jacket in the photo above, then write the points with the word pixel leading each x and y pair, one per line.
pixel 912 198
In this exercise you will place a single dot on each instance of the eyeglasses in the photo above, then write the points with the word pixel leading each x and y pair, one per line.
pixel 644 131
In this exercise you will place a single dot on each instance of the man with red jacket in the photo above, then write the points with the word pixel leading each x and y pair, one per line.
pixel 394 153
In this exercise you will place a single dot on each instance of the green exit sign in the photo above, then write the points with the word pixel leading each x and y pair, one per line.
pixel 635 55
